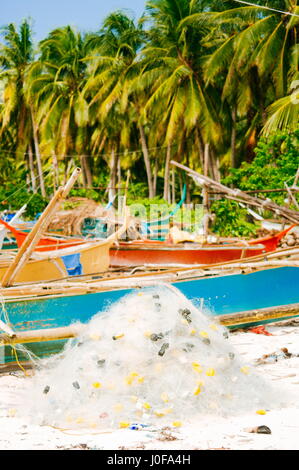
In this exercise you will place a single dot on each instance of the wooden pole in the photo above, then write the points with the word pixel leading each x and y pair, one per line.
pixel 291 197
pixel 31 167
pixel 34 236
pixel 296 179
pixel 237 194
pixel 6 328
pixel 48 334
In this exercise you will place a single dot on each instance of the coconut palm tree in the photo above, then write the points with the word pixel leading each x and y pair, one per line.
pixel 16 55
pixel 283 114
pixel 256 52
pixel 172 64
pixel 55 83
pixel 115 50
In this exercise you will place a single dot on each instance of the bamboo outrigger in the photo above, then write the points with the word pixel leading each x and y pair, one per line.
pixel 246 293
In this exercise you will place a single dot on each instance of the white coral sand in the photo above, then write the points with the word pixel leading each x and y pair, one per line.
pixel 195 427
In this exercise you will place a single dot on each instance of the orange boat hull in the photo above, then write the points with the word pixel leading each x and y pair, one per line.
pixel 131 255
pixel 150 252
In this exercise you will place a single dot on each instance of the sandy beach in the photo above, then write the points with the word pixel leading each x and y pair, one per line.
pixel 208 432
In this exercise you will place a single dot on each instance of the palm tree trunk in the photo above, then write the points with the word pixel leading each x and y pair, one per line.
pixel 31 168
pixel 200 148
pixel 166 173
pixel 205 194
pixel 88 171
pixel 173 186
pixel 215 166
pixel 37 155
pixel 113 170
pixel 82 158
pixel 233 137
pixel 188 195
pixel 147 162
pixel 55 171
pixel 155 177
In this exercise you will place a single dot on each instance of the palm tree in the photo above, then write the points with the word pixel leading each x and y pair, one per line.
pixel 257 50
pixel 115 50
pixel 55 83
pixel 16 55
pixel 283 114
pixel 172 64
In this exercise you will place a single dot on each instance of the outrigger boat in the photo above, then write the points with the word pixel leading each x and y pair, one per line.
pixel 245 293
pixel 58 264
pixel 43 315
pixel 27 265
pixel 46 243
pixel 154 253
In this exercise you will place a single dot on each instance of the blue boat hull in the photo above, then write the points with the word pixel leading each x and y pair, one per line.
pixel 222 295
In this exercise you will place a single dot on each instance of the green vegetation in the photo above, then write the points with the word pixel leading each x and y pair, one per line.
pixel 190 78
pixel 275 163
pixel 232 220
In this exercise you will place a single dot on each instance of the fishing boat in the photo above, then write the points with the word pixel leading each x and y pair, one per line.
pixel 245 293
pixel 5 242
pixel 150 252
pixel 87 258
pixel 46 243
pixel 154 252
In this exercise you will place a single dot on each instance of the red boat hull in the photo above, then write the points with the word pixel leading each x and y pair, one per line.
pixel 131 255
pixel 142 252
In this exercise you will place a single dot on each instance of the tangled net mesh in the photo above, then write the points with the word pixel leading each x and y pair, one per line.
pixel 152 358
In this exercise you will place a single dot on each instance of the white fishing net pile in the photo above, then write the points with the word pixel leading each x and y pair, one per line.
pixel 152 358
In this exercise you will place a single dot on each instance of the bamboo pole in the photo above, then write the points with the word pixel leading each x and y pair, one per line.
pixel 34 236
pixel 296 180
pixel 259 315
pixel 292 198
pixel 229 320
pixel 34 336
pixel 6 328
pixel 237 194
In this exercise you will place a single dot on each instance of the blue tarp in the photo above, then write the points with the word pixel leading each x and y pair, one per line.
pixel 72 264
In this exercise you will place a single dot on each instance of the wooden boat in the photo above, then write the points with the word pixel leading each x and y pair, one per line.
pixel 46 243
pixel 87 258
pixel 240 294
pixel 15 219
pixel 149 252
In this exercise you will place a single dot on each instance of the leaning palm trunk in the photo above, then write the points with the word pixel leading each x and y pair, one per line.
pixel 55 171
pixel 31 168
pixel 147 162
pixel 37 155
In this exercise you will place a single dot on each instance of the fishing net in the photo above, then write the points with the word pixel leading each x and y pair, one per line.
pixel 152 358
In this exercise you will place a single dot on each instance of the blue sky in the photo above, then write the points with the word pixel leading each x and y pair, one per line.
pixel 86 15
